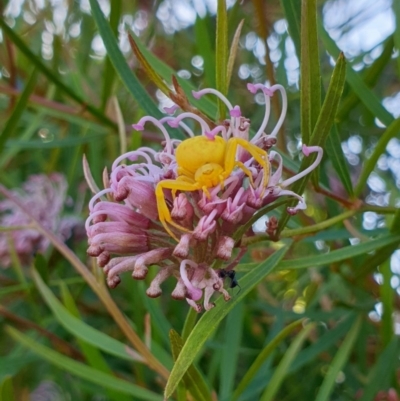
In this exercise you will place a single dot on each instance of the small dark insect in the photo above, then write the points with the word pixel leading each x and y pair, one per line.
pixel 231 274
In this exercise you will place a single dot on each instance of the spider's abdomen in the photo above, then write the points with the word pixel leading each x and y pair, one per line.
pixel 193 153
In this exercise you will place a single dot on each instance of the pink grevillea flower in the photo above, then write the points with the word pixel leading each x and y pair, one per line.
pixel 178 208
pixel 45 197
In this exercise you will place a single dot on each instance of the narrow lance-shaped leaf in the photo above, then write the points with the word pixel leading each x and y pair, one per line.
pixel 230 352
pixel 79 328
pixel 387 293
pixel 81 370
pixel 121 66
pixel 386 251
pixel 334 150
pixel 36 61
pixel 382 372
pixel 338 362
pixel 310 84
pixel 396 10
pixel 109 72
pixel 19 108
pixel 366 95
pixel 205 104
pixel 292 11
pixel 327 340
pixel 221 50
pixel 148 69
pixel 193 379
pixel 323 125
pixel 88 176
pixel 341 254
pixel 391 132
pixel 210 320
pixel 7 389
pixel 233 51
pixel 205 47
pixel 282 370
pixel 69 141
pixel 121 126
pixel 370 78
pixel 262 357
pixel 92 355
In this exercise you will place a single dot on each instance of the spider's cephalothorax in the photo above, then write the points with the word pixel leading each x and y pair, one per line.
pixel 204 163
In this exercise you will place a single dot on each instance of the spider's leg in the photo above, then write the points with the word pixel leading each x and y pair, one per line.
pixel 206 191
pixel 181 178
pixel 163 211
pixel 246 171
pixel 259 155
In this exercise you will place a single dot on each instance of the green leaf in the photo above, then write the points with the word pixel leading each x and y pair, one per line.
pixel 193 379
pixel 205 48
pixel 79 328
pixel 16 360
pixel 89 176
pixel 69 141
pixel 396 11
pixel 7 389
pixel 292 11
pixel 66 116
pixel 232 52
pixel 262 357
pixel 370 78
pixel 386 251
pixel 121 126
pixel 340 254
pixel 36 119
pixel 334 150
pixel 391 132
pixel 282 370
pixel 148 69
pixel 109 71
pixel 42 267
pixel 190 322
pixel 338 362
pixel 211 319
pixel 12 122
pixel 323 125
pixel 127 76
pixel 205 104
pixel 331 103
pixel 230 352
pixel 36 61
pixel 395 224
pixel 221 54
pixel 91 353
pixel 326 341
pixel 310 76
pixel 380 375
pixel 387 294
pixel 369 99
pixel 79 369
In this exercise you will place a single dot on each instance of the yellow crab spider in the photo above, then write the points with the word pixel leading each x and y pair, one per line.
pixel 204 163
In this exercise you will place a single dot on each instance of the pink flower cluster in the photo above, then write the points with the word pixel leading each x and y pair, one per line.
pixel 136 221
pixel 45 197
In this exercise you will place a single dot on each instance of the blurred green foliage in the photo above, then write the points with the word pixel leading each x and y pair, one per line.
pixel 70 85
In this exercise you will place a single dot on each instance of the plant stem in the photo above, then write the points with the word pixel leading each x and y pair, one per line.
pixel 303 230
